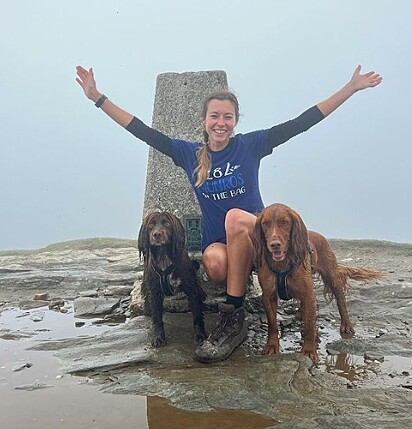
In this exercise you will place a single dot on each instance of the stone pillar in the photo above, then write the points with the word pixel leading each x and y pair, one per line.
pixel 177 113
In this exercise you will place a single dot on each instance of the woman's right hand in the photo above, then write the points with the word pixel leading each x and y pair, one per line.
pixel 86 80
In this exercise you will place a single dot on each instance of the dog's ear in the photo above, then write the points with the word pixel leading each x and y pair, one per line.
pixel 178 237
pixel 299 239
pixel 143 243
pixel 259 241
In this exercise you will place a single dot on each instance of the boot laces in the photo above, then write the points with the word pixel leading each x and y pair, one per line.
pixel 227 323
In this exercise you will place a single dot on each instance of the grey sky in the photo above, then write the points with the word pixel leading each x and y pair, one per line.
pixel 68 172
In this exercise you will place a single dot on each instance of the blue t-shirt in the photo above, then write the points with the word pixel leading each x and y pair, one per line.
pixel 233 181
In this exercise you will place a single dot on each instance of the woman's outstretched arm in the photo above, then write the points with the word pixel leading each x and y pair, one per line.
pixel 357 83
pixel 152 137
pixel 85 78
pixel 283 132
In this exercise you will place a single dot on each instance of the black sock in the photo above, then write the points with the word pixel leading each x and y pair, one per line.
pixel 237 301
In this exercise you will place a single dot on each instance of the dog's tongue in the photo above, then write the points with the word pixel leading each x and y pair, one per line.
pixel 278 256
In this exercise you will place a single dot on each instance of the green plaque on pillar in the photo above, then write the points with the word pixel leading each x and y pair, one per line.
pixel 193 227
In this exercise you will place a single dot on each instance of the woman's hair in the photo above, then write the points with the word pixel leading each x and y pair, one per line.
pixel 202 154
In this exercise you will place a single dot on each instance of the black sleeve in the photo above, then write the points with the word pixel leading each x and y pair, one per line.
pixel 283 132
pixel 151 136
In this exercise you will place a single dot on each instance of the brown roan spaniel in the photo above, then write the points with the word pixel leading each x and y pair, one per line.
pixel 168 269
pixel 287 256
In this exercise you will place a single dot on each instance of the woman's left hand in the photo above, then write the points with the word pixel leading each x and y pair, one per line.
pixel 367 80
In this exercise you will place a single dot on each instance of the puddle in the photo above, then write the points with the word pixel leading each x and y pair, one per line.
pixel 72 401
pixel 50 324
pixel 69 401
pixel 389 370
pixel 358 369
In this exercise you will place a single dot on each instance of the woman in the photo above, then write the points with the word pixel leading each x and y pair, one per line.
pixel 223 172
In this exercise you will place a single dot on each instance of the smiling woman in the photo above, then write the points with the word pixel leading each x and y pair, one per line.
pixel 229 207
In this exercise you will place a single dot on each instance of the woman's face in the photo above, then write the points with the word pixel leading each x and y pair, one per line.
pixel 219 123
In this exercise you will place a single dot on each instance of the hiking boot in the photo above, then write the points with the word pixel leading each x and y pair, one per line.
pixel 229 333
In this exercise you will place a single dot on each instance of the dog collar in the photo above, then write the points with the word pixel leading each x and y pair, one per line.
pixel 281 279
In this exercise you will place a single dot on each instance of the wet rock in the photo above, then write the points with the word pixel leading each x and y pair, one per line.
pixel 407 385
pixel 30 304
pixel 124 346
pixel 6 334
pixel 56 304
pixel 33 386
pixel 71 266
pixel 21 365
pixel 111 318
pixel 118 290
pixel 253 298
pixel 94 307
pixel 91 293
pixel 136 299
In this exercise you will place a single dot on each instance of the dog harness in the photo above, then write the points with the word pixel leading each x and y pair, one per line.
pixel 164 276
pixel 282 279
pixel 282 276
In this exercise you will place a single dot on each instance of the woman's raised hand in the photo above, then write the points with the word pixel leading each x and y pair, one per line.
pixel 86 80
pixel 367 80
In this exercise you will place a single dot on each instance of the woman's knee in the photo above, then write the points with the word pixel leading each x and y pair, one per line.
pixel 215 264
pixel 238 221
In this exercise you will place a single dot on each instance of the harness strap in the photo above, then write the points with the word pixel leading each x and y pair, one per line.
pixel 164 278
pixel 282 279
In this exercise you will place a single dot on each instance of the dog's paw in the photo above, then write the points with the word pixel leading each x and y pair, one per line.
pixel 158 341
pixel 270 349
pixel 347 330
pixel 311 354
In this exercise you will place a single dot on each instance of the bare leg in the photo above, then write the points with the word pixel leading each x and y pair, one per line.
pixel 214 260
pixel 240 251
pixel 232 263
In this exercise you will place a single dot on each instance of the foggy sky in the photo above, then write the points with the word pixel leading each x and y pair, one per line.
pixel 68 172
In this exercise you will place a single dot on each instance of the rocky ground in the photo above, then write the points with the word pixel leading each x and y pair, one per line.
pixel 363 382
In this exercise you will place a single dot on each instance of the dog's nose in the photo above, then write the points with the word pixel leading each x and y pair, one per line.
pixel 275 245
pixel 156 235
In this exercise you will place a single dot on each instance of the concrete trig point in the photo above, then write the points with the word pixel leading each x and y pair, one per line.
pixel 177 113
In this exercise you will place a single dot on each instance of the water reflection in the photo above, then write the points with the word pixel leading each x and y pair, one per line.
pixel 160 415
pixel 346 365
pixel 359 368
